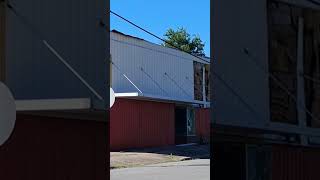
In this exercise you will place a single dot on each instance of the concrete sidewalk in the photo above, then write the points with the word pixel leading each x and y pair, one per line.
pixel 142 157
pixel 185 170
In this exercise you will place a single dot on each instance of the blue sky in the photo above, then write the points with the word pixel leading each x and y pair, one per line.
pixel 157 16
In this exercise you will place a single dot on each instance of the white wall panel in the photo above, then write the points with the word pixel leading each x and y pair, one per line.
pixel 131 54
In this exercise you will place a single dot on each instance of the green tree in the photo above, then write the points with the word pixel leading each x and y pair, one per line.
pixel 181 39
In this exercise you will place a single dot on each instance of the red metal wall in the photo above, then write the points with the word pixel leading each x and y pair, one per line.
pixel 295 163
pixel 138 124
pixel 43 148
pixel 203 122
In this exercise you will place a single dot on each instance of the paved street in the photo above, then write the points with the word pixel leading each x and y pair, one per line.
pixel 184 170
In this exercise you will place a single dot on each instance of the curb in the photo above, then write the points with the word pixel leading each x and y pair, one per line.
pixel 186 159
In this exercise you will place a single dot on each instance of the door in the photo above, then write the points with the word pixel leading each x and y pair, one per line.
pixel 258 162
pixel 180 125
pixel 229 161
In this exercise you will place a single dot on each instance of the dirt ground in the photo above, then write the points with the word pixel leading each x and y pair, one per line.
pixel 144 157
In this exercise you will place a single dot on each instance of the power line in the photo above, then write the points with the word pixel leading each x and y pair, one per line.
pixel 148 75
pixel 152 34
pixel 142 29
pixel 231 89
pixel 40 35
pixel 154 81
pixel 280 84
pixel 154 50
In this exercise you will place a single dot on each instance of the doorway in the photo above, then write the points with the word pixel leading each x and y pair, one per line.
pixel 180 125
pixel 185 125
pixel 229 161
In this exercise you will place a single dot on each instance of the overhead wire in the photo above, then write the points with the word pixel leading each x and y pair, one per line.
pixel 279 83
pixel 50 47
pixel 218 76
pixel 158 51
pixel 35 30
pixel 162 52
pixel 154 50
pixel 172 80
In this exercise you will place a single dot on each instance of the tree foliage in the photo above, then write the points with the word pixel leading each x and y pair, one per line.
pixel 181 39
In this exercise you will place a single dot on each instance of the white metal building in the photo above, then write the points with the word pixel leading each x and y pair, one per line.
pixel 157 94
pixel 148 70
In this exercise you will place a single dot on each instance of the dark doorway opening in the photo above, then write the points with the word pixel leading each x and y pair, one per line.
pixel 229 161
pixel 180 125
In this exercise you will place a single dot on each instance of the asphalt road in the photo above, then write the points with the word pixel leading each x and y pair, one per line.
pixel 183 170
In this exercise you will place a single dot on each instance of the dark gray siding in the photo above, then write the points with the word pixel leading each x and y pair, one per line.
pixel 72 28
pixel 234 28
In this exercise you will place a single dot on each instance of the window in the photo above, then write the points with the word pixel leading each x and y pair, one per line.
pixel 283 20
pixel 198 79
pixel 311 37
pixel 190 122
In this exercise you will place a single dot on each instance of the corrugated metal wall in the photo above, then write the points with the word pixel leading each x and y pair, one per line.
pixel 203 123
pixel 243 77
pixel 295 163
pixel 72 29
pixel 137 124
pixel 288 163
pixel 55 149
pixel 132 54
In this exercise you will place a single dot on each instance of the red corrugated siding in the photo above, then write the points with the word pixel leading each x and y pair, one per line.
pixel 203 122
pixel 138 124
pixel 295 163
pixel 287 163
pixel 52 149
